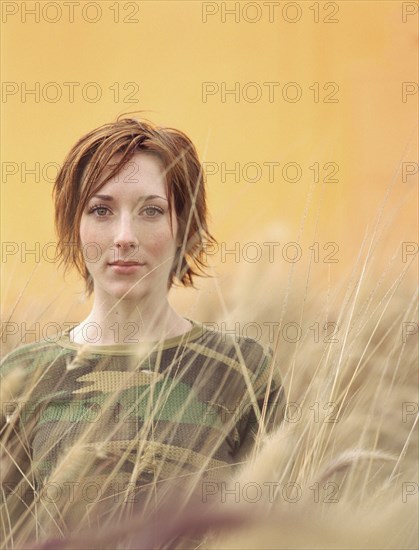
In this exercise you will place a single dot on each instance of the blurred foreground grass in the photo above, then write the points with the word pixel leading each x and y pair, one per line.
pixel 341 471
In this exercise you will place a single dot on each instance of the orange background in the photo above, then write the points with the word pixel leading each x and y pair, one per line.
pixel 367 48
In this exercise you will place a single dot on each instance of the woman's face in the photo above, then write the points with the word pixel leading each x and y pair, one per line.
pixel 126 234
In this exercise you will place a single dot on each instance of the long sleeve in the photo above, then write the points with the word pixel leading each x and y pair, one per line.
pixel 268 387
pixel 17 492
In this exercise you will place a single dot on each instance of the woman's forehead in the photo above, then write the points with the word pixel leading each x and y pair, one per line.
pixel 140 162
pixel 142 168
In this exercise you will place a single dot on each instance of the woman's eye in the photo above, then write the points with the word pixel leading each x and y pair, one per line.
pixel 152 211
pixel 99 211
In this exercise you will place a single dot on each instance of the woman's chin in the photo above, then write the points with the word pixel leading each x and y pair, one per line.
pixel 139 292
pixel 120 292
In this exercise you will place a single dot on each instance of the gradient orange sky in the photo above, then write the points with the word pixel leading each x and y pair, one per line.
pixel 323 91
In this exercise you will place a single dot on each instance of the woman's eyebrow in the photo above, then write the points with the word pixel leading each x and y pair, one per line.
pixel 143 198
pixel 103 197
pixel 151 197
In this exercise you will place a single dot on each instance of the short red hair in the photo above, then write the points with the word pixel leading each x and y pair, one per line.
pixel 80 178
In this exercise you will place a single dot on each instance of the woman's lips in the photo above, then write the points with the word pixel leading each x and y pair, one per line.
pixel 126 268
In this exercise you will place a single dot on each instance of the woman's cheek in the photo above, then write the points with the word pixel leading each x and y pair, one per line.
pixel 90 234
pixel 159 240
pixel 159 246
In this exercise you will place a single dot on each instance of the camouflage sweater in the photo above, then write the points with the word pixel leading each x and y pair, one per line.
pixel 106 427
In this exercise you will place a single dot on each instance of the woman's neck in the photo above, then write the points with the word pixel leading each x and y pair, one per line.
pixel 128 323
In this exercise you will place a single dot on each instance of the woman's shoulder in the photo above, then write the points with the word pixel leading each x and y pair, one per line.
pixel 28 357
pixel 254 354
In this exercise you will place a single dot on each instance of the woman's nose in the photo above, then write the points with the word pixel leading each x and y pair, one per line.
pixel 125 236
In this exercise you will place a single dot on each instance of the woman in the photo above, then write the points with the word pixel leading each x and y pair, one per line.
pixel 134 402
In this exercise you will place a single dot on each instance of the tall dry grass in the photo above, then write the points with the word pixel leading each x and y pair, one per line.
pixel 340 471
